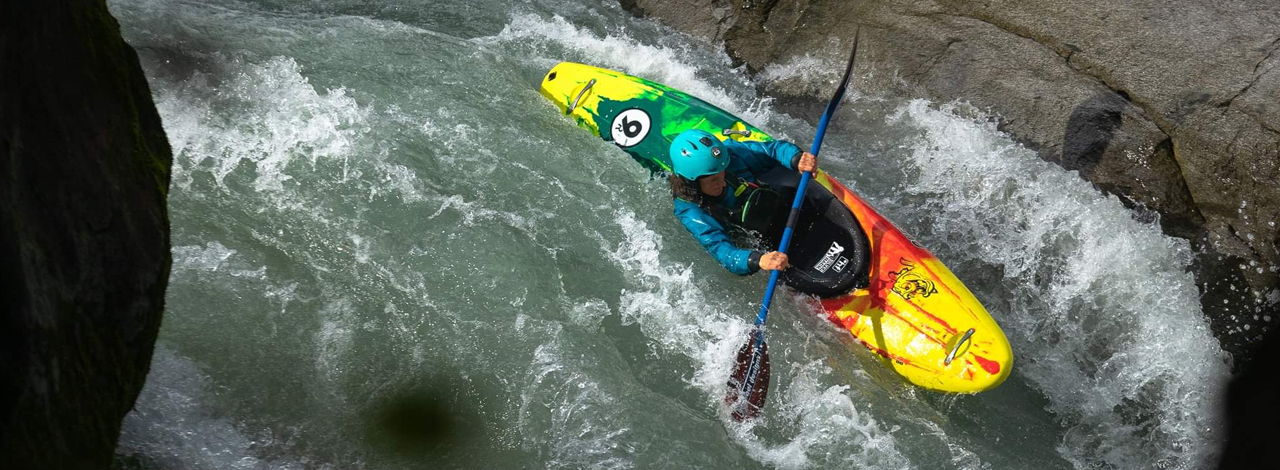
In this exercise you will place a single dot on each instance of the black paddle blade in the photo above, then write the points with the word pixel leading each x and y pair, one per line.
pixel 749 382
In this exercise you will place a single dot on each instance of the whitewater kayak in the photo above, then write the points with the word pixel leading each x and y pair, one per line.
pixel 895 297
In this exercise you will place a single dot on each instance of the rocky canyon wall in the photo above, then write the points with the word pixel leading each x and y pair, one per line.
pixel 84 233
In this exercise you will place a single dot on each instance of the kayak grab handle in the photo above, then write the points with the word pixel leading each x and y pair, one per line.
pixel 580 93
pixel 952 355
pixel 733 132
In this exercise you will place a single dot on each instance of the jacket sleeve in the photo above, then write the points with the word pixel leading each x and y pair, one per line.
pixel 715 240
pixel 763 156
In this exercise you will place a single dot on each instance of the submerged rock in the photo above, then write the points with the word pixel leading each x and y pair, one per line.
pixel 84 233
pixel 1172 107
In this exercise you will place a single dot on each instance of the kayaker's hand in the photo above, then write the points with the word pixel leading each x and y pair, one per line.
pixel 808 162
pixel 774 260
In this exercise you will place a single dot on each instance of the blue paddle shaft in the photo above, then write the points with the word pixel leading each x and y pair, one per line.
pixel 744 389
pixel 795 209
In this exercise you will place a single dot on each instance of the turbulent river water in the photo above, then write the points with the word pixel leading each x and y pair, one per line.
pixel 391 252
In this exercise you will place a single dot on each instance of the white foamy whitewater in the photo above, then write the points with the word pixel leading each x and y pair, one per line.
pixel 391 252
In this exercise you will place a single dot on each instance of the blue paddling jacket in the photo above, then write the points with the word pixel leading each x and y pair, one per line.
pixel 748 159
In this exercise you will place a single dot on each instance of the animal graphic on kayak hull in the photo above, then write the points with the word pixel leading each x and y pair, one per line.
pixel 908 284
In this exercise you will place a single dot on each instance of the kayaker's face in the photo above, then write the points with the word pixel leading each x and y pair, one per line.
pixel 712 185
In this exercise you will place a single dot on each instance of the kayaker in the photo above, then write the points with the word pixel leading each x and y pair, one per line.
pixel 715 183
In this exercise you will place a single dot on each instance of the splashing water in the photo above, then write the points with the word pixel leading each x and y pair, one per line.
pixel 1108 321
pixel 375 215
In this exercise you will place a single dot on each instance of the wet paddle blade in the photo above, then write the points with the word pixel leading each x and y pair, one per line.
pixel 749 382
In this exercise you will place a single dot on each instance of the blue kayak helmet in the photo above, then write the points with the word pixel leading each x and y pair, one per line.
pixel 696 153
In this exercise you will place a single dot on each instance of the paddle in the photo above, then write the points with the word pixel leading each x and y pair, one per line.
pixel 749 382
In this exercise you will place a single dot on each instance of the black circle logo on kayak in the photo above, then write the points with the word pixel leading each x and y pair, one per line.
pixel 630 127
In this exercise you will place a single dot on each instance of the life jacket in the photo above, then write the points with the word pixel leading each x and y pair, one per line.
pixel 755 208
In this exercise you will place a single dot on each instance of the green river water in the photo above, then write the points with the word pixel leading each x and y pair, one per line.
pixel 390 252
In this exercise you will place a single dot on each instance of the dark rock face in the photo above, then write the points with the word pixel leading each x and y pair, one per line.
pixel 1253 408
pixel 84 233
pixel 1173 106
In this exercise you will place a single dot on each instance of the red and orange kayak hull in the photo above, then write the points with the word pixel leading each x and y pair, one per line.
pixel 915 311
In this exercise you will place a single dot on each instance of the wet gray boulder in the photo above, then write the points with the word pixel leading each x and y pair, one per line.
pixel 84 233
pixel 1173 106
